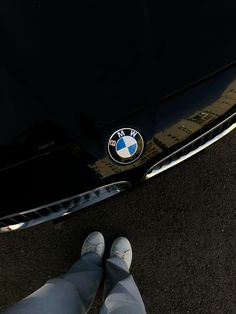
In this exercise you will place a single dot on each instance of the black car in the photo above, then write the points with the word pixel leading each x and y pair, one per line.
pixel 99 96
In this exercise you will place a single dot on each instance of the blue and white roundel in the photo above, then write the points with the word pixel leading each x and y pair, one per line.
pixel 125 145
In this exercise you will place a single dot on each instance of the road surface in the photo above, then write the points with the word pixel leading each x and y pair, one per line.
pixel 182 225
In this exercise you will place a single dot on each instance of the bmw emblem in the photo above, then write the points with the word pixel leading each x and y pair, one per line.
pixel 125 146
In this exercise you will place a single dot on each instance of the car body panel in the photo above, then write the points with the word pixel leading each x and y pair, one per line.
pixel 68 69
pixel 73 73
pixel 84 164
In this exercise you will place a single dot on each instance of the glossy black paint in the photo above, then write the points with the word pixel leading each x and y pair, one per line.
pixel 69 68
pixel 83 164
pixel 73 72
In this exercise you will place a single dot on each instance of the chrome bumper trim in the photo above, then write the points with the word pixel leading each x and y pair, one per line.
pixel 75 203
pixel 60 208
pixel 176 157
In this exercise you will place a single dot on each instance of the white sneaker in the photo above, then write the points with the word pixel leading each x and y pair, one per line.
pixel 121 248
pixel 94 243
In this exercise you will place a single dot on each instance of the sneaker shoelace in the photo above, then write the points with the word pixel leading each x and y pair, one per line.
pixel 92 247
pixel 121 254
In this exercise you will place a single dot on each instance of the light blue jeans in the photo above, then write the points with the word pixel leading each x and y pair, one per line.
pixel 74 292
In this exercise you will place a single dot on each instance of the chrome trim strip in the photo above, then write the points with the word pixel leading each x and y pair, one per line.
pixel 85 199
pixel 153 172
pixel 88 198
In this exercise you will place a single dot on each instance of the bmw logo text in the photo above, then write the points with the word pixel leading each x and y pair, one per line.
pixel 125 145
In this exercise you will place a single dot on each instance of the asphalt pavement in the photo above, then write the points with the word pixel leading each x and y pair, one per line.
pixel 182 225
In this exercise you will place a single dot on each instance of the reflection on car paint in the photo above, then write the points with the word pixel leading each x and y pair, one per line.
pixel 174 134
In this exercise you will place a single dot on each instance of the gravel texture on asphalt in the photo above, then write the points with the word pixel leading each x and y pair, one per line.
pixel 182 225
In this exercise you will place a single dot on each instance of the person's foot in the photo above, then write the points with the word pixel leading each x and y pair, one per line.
pixel 94 243
pixel 121 248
